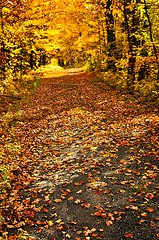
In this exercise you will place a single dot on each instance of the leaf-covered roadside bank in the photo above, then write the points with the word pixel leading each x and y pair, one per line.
pixel 87 167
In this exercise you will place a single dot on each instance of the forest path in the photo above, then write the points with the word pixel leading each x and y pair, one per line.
pixel 88 164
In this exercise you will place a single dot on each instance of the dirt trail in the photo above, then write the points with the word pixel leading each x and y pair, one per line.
pixel 88 165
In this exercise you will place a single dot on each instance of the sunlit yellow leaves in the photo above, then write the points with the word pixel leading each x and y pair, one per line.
pixel 69 154
pixel 50 223
pixel 58 221
pixel 79 191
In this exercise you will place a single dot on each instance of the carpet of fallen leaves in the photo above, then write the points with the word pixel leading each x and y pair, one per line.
pixel 84 164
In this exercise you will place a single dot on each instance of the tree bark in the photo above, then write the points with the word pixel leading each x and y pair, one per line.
pixel 111 39
pixel 151 37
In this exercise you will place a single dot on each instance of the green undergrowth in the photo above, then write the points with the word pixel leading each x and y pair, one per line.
pixel 12 114
pixel 4 179
pixel 21 235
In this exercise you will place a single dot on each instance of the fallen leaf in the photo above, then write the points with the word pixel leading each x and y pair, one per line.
pixel 44 210
pixel 106 191
pixel 78 201
pixel 85 205
pixel 69 154
pixel 129 235
pixel 58 221
pixel 57 200
pixel 108 222
pixel 144 214
pixel 150 209
pixel 73 222
pixel 50 223
pixel 71 198
pixel 80 191
pixel 76 184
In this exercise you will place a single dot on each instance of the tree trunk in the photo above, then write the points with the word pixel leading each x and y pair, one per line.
pixel 31 60
pixel 2 45
pixel 131 28
pixel 111 40
pixel 151 37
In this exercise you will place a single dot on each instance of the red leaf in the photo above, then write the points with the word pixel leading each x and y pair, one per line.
pixel 129 235
pixel 44 210
pixel 150 209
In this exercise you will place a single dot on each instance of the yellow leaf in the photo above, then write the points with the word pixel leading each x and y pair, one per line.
pixel 50 174
pixel 59 220
pixel 80 191
pixel 69 154
pixel 50 223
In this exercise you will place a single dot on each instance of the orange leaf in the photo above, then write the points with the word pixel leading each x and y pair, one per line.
pixel 71 198
pixel 150 195
pixel 57 200
pixel 73 222
pixel 123 161
pixel 85 205
pixel 134 207
pixel 94 235
pixel 78 201
pixel 108 222
pixel 40 230
pixel 46 198
pixel 129 235
pixel 150 209
pixel 101 230
pixel 44 210
pixel 152 224
pixel 106 191
pixel 144 214
pixel 103 184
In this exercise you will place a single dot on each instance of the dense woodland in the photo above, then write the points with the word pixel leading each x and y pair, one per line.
pixel 117 39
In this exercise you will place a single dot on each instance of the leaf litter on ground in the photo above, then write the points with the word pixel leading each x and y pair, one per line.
pixel 87 167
